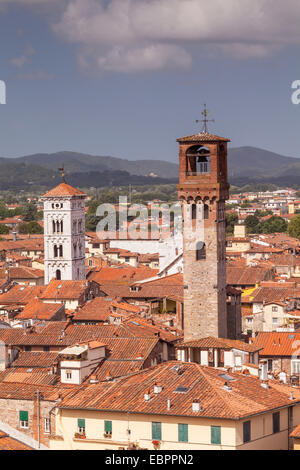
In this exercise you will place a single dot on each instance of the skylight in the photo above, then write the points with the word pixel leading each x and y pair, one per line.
pixel 226 377
pixel 181 389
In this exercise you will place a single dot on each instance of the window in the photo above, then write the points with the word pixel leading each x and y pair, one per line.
pixel 194 211
pixel 68 375
pixel 58 275
pixel 247 431
pixel 108 427
pixel 81 426
pixel 156 431
pixel 295 367
pixel 274 309
pixel 23 419
pixel 46 348
pixel 215 434
pixel 183 435
pixel 27 348
pixel 200 251
pixel 47 425
pixel 206 211
pixel 276 422
pixel 275 320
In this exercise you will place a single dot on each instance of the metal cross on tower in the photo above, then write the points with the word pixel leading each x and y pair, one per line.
pixel 205 114
pixel 62 170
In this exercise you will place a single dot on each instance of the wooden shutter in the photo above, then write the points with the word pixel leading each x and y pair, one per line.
pixel 183 433
pixel 108 426
pixel 81 423
pixel 23 415
pixel 156 431
pixel 215 434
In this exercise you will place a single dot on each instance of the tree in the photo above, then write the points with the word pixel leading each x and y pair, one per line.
pixel 29 212
pixel 251 223
pixel 4 229
pixel 231 221
pixel 294 227
pixel 32 227
pixel 274 224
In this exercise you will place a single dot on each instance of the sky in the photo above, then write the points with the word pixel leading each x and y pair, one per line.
pixel 126 78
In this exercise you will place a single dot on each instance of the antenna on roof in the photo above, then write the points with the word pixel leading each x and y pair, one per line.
pixel 62 170
pixel 205 114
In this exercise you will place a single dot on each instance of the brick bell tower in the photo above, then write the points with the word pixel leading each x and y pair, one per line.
pixel 203 189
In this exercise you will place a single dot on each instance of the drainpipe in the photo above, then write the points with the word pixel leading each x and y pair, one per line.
pixel 38 417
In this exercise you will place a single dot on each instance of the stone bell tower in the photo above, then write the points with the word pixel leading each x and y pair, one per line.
pixel 64 233
pixel 203 189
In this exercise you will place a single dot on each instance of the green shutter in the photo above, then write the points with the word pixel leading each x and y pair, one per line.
pixel 183 433
pixel 81 423
pixel 215 432
pixel 23 415
pixel 108 426
pixel 156 431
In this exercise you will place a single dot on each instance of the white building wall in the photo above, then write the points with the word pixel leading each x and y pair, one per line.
pixel 71 211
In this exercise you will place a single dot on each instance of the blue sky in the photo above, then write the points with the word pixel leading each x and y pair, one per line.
pixel 93 76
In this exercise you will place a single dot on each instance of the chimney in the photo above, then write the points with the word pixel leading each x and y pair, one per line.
pixel 168 404
pixel 264 384
pixel 292 396
pixel 147 396
pixel 227 387
pixel 94 380
pixel 157 388
pixel 14 234
pixel 108 376
pixel 196 406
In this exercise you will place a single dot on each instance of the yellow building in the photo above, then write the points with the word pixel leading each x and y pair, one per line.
pixel 178 405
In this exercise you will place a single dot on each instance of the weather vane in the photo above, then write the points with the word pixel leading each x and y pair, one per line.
pixel 205 114
pixel 62 170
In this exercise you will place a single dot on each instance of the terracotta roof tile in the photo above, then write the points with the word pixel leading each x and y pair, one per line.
pixel 246 398
pixel 63 189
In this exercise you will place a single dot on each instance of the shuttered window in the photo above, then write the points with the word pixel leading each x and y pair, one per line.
pixel 276 422
pixel 247 431
pixel 81 425
pixel 23 419
pixel 156 431
pixel 183 433
pixel 108 426
pixel 23 415
pixel 215 434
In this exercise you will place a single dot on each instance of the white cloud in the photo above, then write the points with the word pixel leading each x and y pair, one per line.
pixel 131 35
pixel 151 57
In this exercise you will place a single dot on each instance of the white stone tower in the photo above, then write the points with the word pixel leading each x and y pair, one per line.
pixel 64 233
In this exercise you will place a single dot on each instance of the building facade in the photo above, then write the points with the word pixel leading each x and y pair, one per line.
pixel 203 189
pixel 64 233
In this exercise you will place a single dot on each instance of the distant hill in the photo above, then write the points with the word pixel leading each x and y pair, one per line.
pixel 81 163
pixel 246 165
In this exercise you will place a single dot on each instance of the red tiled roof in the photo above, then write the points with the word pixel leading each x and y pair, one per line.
pixel 296 432
pixel 63 189
pixel 278 344
pixel 219 343
pixel 64 289
pixel 39 310
pixel 202 137
pixel 9 443
pixel 246 398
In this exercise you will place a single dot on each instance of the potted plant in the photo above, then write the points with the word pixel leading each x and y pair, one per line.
pixel 79 435
pixel 156 444
pixel 107 435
